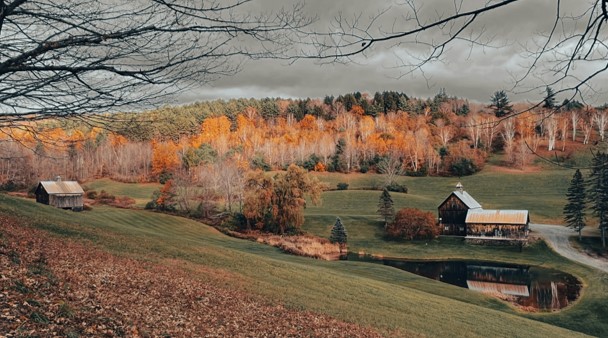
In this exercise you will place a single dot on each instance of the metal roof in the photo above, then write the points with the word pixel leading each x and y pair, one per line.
pixel 505 289
pixel 497 216
pixel 62 187
pixel 467 199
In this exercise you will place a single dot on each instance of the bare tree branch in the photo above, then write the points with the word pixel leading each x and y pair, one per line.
pixel 85 57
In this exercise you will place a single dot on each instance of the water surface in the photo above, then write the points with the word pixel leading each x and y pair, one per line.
pixel 531 288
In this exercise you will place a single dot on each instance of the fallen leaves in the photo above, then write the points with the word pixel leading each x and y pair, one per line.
pixel 55 287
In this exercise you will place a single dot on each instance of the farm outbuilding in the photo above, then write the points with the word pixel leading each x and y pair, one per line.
pixel 461 215
pixel 498 223
pixel 60 194
pixel 453 212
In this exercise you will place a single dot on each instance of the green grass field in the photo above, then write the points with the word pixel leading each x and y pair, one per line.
pixel 370 294
pixel 365 293
pixel 141 192
pixel 542 193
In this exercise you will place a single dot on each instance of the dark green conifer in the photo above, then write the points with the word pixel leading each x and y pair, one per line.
pixel 500 104
pixel 574 210
pixel 338 234
pixel 598 191
pixel 386 206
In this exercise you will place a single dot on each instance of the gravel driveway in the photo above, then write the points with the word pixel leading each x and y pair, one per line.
pixel 557 236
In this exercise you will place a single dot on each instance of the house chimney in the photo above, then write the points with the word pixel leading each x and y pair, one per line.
pixel 459 187
pixel 58 178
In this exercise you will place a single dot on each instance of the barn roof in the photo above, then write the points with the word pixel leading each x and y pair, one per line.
pixel 467 199
pixel 505 289
pixel 62 187
pixel 497 216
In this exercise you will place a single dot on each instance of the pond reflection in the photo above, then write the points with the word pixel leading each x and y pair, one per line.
pixel 531 288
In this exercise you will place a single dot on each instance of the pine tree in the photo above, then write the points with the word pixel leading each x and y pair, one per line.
pixel 500 104
pixel 549 101
pixel 338 234
pixel 574 210
pixel 386 206
pixel 598 191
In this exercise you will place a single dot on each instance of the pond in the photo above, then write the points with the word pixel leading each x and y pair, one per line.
pixel 530 288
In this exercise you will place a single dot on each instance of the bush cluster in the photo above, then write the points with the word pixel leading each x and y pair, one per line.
pixel 342 186
pixel 396 187
pixel 410 223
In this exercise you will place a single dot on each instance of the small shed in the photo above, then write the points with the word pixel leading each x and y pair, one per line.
pixel 453 212
pixel 60 194
pixel 508 224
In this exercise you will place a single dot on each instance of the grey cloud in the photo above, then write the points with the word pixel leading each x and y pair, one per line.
pixel 472 73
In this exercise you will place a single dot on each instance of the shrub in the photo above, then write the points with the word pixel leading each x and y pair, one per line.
pixel 463 167
pixel 419 173
pixel 91 194
pixel 164 177
pixel 105 198
pixel 320 167
pixel 258 162
pixel 9 186
pixel 123 202
pixel 342 186
pixel 412 223
pixel 310 163
pixel 396 187
pixel 236 221
pixel 150 205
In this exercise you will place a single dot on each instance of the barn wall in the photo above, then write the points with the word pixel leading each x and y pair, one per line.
pixel 70 201
pixel 42 196
pixel 501 230
pixel 453 213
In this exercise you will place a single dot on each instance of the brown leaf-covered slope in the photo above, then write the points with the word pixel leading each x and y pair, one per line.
pixel 56 287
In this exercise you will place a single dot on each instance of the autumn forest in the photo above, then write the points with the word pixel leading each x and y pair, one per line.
pixel 387 132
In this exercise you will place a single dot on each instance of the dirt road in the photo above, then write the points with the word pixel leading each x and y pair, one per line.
pixel 557 236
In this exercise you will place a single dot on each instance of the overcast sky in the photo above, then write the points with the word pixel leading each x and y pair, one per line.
pixel 464 71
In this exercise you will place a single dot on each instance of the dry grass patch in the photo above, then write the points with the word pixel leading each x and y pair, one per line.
pixel 300 245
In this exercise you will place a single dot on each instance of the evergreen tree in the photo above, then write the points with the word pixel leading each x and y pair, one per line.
pixel 549 101
pixel 386 206
pixel 338 234
pixel 500 104
pixel 337 160
pixel 572 105
pixel 574 210
pixel 598 191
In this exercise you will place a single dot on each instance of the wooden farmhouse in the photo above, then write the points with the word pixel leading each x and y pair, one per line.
pixel 461 215
pixel 453 212
pixel 60 194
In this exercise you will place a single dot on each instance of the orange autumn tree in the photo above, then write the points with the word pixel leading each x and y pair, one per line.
pixel 410 223
pixel 277 204
pixel 165 159
pixel 163 199
pixel 216 132
pixel 257 199
pixel 357 110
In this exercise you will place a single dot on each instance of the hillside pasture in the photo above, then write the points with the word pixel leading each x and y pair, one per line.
pixel 140 192
pixel 394 301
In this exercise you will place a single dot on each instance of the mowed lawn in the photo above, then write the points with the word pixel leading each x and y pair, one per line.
pixel 140 192
pixel 394 301
pixel 542 193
